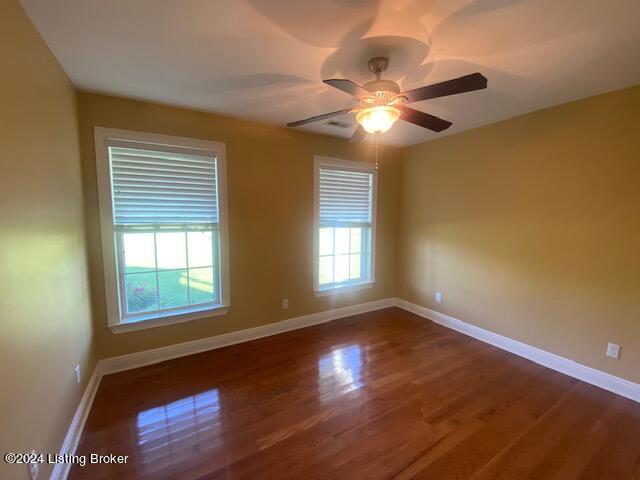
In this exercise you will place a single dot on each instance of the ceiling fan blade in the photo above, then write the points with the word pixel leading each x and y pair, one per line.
pixel 317 118
pixel 424 119
pixel 347 86
pixel 468 83
pixel 359 134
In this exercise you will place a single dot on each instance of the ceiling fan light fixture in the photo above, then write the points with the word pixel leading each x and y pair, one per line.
pixel 381 103
pixel 378 119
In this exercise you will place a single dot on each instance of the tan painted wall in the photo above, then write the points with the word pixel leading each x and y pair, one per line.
pixel 45 326
pixel 270 185
pixel 531 228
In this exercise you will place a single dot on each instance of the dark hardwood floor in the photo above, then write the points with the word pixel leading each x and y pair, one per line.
pixel 380 395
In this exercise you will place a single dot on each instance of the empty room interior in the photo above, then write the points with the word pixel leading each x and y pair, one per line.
pixel 350 239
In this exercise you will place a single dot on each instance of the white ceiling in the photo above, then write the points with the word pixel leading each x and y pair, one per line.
pixel 265 59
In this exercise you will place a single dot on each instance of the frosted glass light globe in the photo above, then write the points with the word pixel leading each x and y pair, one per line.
pixel 378 119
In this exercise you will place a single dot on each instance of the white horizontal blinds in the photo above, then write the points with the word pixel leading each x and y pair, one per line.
pixel 345 196
pixel 155 187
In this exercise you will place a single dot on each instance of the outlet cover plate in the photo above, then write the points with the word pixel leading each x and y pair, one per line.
pixel 613 350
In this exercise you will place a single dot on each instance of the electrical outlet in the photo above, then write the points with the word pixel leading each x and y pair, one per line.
pixel 34 467
pixel 285 303
pixel 78 376
pixel 438 297
pixel 613 350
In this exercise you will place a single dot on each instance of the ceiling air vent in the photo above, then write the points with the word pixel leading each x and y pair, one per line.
pixel 335 123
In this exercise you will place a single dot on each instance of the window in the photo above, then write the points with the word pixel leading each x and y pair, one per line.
pixel 345 223
pixel 162 202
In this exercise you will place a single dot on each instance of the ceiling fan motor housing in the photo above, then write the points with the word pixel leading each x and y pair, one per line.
pixel 382 86
pixel 383 92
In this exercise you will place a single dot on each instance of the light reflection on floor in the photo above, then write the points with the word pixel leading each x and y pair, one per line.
pixel 344 364
pixel 173 431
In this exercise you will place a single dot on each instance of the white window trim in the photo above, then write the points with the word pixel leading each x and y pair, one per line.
pixel 114 322
pixel 319 161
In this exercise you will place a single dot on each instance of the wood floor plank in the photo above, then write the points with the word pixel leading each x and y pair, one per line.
pixel 544 446
pixel 375 396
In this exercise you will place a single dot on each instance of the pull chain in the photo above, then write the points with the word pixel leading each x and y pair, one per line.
pixel 377 138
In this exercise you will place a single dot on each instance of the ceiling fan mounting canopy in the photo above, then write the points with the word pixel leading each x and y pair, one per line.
pixel 377 65
pixel 381 102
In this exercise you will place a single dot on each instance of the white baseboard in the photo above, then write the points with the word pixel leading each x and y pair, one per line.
pixel 590 375
pixel 156 355
pixel 71 440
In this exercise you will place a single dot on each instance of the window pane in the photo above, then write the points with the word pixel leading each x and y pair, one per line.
pixel 201 285
pixel 200 249
pixel 356 240
pixel 341 268
pixel 354 267
pixel 326 241
pixel 139 252
pixel 142 294
pixel 172 286
pixel 326 270
pixel 171 248
pixel 342 240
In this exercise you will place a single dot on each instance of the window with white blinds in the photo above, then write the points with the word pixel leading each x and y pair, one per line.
pixel 151 187
pixel 345 196
pixel 345 213
pixel 162 203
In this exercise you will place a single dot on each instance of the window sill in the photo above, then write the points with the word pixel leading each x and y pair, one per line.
pixel 344 289
pixel 167 319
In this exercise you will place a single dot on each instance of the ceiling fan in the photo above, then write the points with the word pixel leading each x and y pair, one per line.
pixel 380 102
